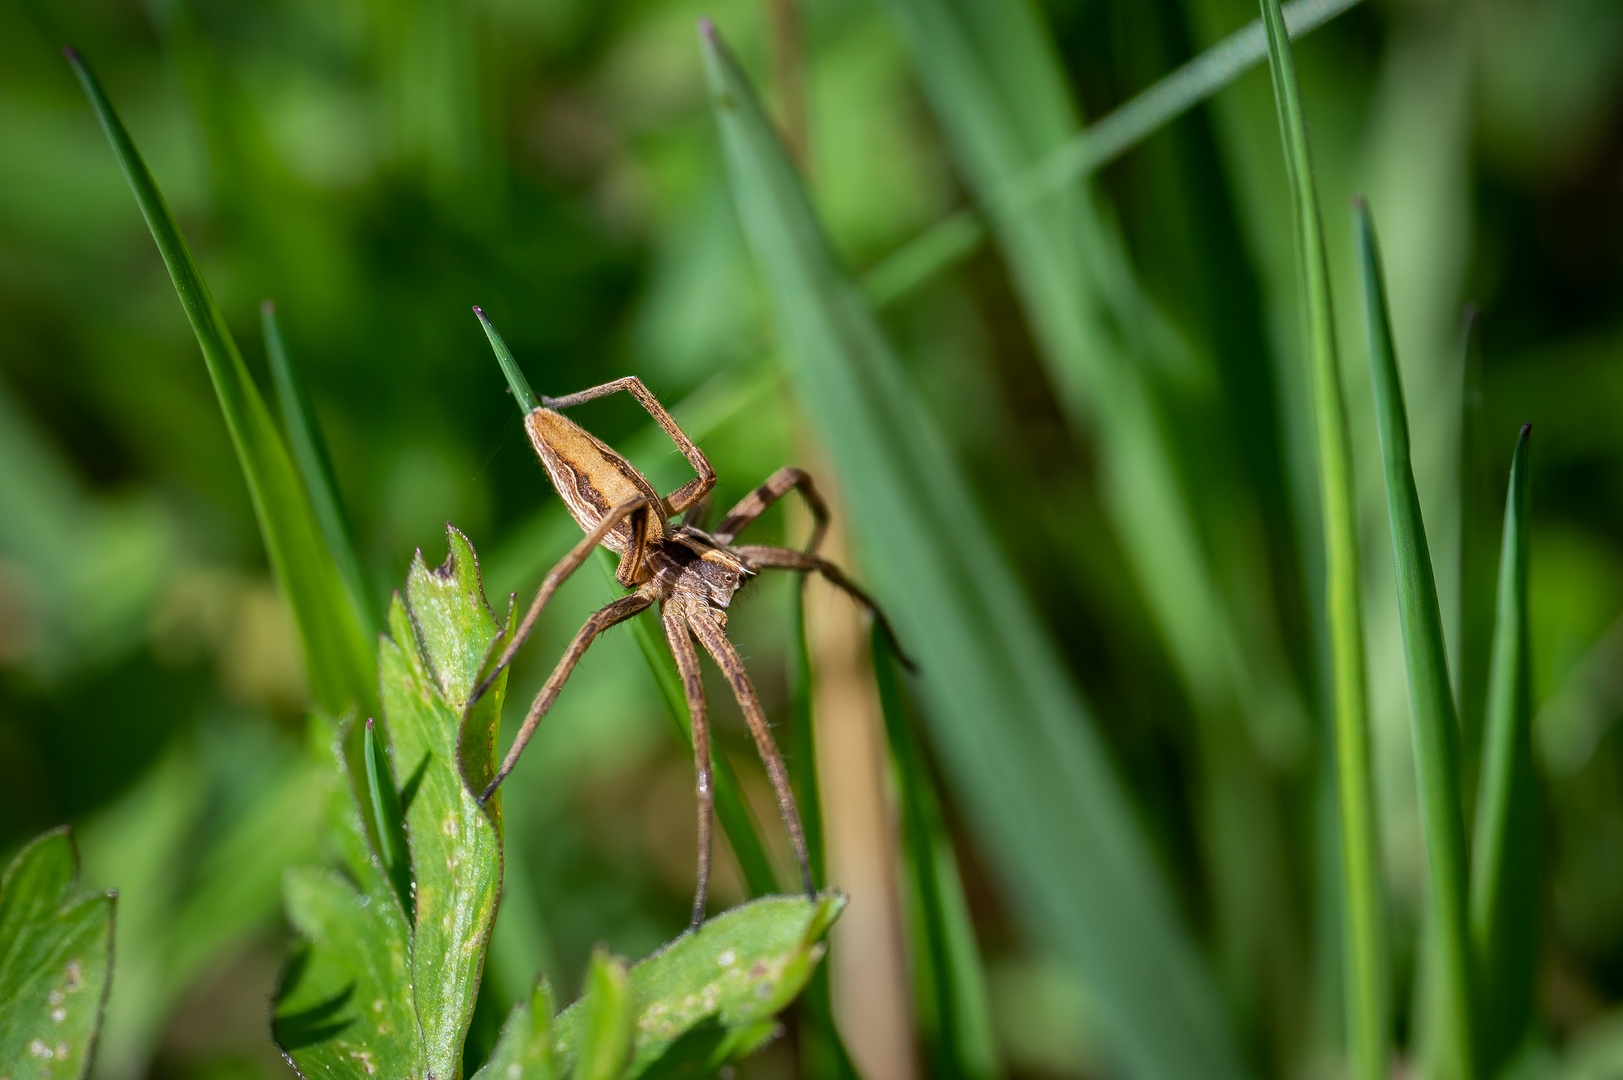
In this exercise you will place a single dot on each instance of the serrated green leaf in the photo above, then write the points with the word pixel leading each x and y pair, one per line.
pixel 1505 865
pixel 1365 964
pixel 1014 737
pixel 524 1051
pixel 337 649
pixel 949 984
pixel 441 632
pixel 604 1019
pixel 708 997
pixel 1434 722
pixel 344 1010
pixel 56 956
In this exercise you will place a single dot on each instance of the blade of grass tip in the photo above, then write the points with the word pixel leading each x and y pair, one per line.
pixel 1362 903
pixel 1431 702
pixel 338 652
pixel 732 811
pixel 1504 872
pixel 958 235
pixel 387 817
pixel 1015 737
pixel 314 464
pixel 949 983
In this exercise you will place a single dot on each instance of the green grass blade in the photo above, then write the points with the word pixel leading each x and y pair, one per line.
pixel 1013 735
pixel 958 235
pixel 1365 961
pixel 315 466
pixel 1433 720
pixel 383 801
pixel 606 1019
pixel 338 652
pixel 949 984
pixel 732 811
pixel 1504 873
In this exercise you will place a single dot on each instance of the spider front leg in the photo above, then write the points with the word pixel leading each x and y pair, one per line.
pixel 617 612
pixel 707 628
pixel 764 557
pixel 687 664
pixel 556 577
pixel 776 487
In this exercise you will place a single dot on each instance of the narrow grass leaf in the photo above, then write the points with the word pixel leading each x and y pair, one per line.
pixel 1365 957
pixel 949 985
pixel 315 465
pixel 1433 720
pixel 524 1051
pixel 709 997
pixel 1012 732
pixel 337 649
pixel 604 1022
pixel 732 811
pixel 56 962
pixel 388 820
pixel 1505 866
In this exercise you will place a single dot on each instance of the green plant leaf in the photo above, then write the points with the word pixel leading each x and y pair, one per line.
pixel 524 1051
pixel 1504 870
pixel 56 957
pixel 956 236
pixel 949 984
pixel 1434 722
pixel 708 997
pixel 1365 956
pixel 315 466
pixel 440 634
pixel 388 821
pixel 337 649
pixel 1013 735
pixel 603 1030
pixel 732 810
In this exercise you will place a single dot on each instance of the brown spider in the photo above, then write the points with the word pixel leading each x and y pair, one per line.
pixel 691 574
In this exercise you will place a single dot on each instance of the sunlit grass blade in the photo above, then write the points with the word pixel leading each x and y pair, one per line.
pixel 1504 870
pixel 1015 739
pixel 732 811
pixel 338 652
pixel 958 235
pixel 1433 720
pixel 949 985
pixel 309 451
pixel 1365 957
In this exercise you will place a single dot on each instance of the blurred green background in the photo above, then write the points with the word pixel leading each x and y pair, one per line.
pixel 378 166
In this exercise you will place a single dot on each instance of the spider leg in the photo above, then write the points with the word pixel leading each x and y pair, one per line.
pixel 709 632
pixel 690 492
pixel 617 612
pixel 776 558
pixel 556 577
pixel 776 487
pixel 687 664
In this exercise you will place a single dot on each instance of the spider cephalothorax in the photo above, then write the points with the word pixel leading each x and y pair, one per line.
pixel 690 573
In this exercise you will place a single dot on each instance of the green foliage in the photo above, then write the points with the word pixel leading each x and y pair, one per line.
pixel 704 1000
pixel 56 960
pixel 386 979
pixel 337 654
pixel 1044 800
pixel 1505 868
pixel 524 1051
pixel 1434 723
pixel 949 985
pixel 1365 961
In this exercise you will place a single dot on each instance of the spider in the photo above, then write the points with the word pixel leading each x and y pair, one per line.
pixel 665 559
